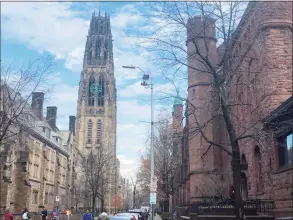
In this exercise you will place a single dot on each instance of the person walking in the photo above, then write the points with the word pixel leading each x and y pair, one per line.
pixel 44 213
pixel 87 215
pixel 103 216
pixel 55 214
pixel 8 215
pixel 25 215
pixel 68 214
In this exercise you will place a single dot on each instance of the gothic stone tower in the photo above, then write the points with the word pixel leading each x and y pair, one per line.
pixel 202 31
pixel 96 105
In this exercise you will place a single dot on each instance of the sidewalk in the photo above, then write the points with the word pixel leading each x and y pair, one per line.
pixel 157 217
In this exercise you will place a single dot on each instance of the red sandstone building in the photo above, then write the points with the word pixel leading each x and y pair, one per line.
pixel 268 28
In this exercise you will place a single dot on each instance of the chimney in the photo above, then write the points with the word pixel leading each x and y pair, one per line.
pixel 37 104
pixel 51 116
pixel 72 124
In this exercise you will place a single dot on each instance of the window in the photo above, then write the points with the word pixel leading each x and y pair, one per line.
pixel 101 92
pixel 36 171
pixel 258 173
pixel 89 131
pixel 35 196
pixel 99 132
pixel 193 93
pixel 285 150
pixel 46 197
pixel 91 91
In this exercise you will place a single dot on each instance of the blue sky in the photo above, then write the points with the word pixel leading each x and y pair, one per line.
pixel 59 29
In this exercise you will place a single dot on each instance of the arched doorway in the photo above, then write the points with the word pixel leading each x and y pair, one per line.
pixel 244 190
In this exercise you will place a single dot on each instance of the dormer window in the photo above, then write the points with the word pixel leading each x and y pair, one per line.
pixel 47 132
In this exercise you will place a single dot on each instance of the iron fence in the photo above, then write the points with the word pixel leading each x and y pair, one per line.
pixel 250 207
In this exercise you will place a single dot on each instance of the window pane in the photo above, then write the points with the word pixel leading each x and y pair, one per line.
pixel 289 148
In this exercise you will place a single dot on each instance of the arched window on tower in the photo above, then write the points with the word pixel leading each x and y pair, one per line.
pixel 99 132
pixel 91 91
pixel 258 173
pixel 89 131
pixel 101 93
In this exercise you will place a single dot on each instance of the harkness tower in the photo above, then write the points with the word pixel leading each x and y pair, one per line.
pixel 96 105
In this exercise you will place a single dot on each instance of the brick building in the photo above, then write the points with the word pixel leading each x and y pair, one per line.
pixel 262 59
pixel 38 164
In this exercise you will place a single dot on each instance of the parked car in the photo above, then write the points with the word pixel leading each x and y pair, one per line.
pixel 130 216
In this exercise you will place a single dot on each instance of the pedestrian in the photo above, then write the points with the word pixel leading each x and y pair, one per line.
pixel 68 214
pixel 174 217
pixel 44 213
pixel 25 215
pixel 55 214
pixel 103 216
pixel 8 215
pixel 87 215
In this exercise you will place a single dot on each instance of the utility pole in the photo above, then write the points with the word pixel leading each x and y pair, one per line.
pixel 146 77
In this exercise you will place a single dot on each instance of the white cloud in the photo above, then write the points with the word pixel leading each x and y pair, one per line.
pixel 46 26
pixel 65 98
pixel 55 28
pixel 128 166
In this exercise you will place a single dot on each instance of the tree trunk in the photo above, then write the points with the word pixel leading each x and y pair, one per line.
pixel 93 205
pixel 235 154
pixel 237 181
pixel 102 205
pixel 166 206
pixel 134 189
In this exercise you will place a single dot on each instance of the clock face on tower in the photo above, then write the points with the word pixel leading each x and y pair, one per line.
pixel 95 88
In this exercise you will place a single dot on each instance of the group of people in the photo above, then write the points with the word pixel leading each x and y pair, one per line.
pixel 55 215
pixel 26 216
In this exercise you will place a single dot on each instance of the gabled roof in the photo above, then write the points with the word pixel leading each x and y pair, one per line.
pixel 31 122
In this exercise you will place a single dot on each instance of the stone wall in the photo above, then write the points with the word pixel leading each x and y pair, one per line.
pixel 265 64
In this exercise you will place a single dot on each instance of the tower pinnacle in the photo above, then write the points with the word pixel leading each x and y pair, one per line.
pixel 99 46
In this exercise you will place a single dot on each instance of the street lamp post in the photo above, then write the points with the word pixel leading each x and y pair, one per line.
pixel 146 77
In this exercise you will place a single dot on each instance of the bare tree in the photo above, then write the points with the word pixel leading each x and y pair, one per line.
pixel 16 87
pixel 95 168
pixel 134 190
pixel 167 160
pixel 232 81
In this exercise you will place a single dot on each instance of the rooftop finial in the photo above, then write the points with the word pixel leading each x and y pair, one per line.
pixel 105 14
pixel 99 13
pixel 177 99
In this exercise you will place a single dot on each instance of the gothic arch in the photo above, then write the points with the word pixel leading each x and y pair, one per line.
pixel 101 94
pixel 258 172
pixel 99 131
pixel 243 159
pixel 91 95
pixel 89 131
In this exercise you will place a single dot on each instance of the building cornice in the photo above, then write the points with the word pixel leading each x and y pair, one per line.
pixel 274 115
pixel 45 140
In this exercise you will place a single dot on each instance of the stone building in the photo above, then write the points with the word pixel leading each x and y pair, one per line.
pixel 96 105
pixel 262 56
pixel 38 164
